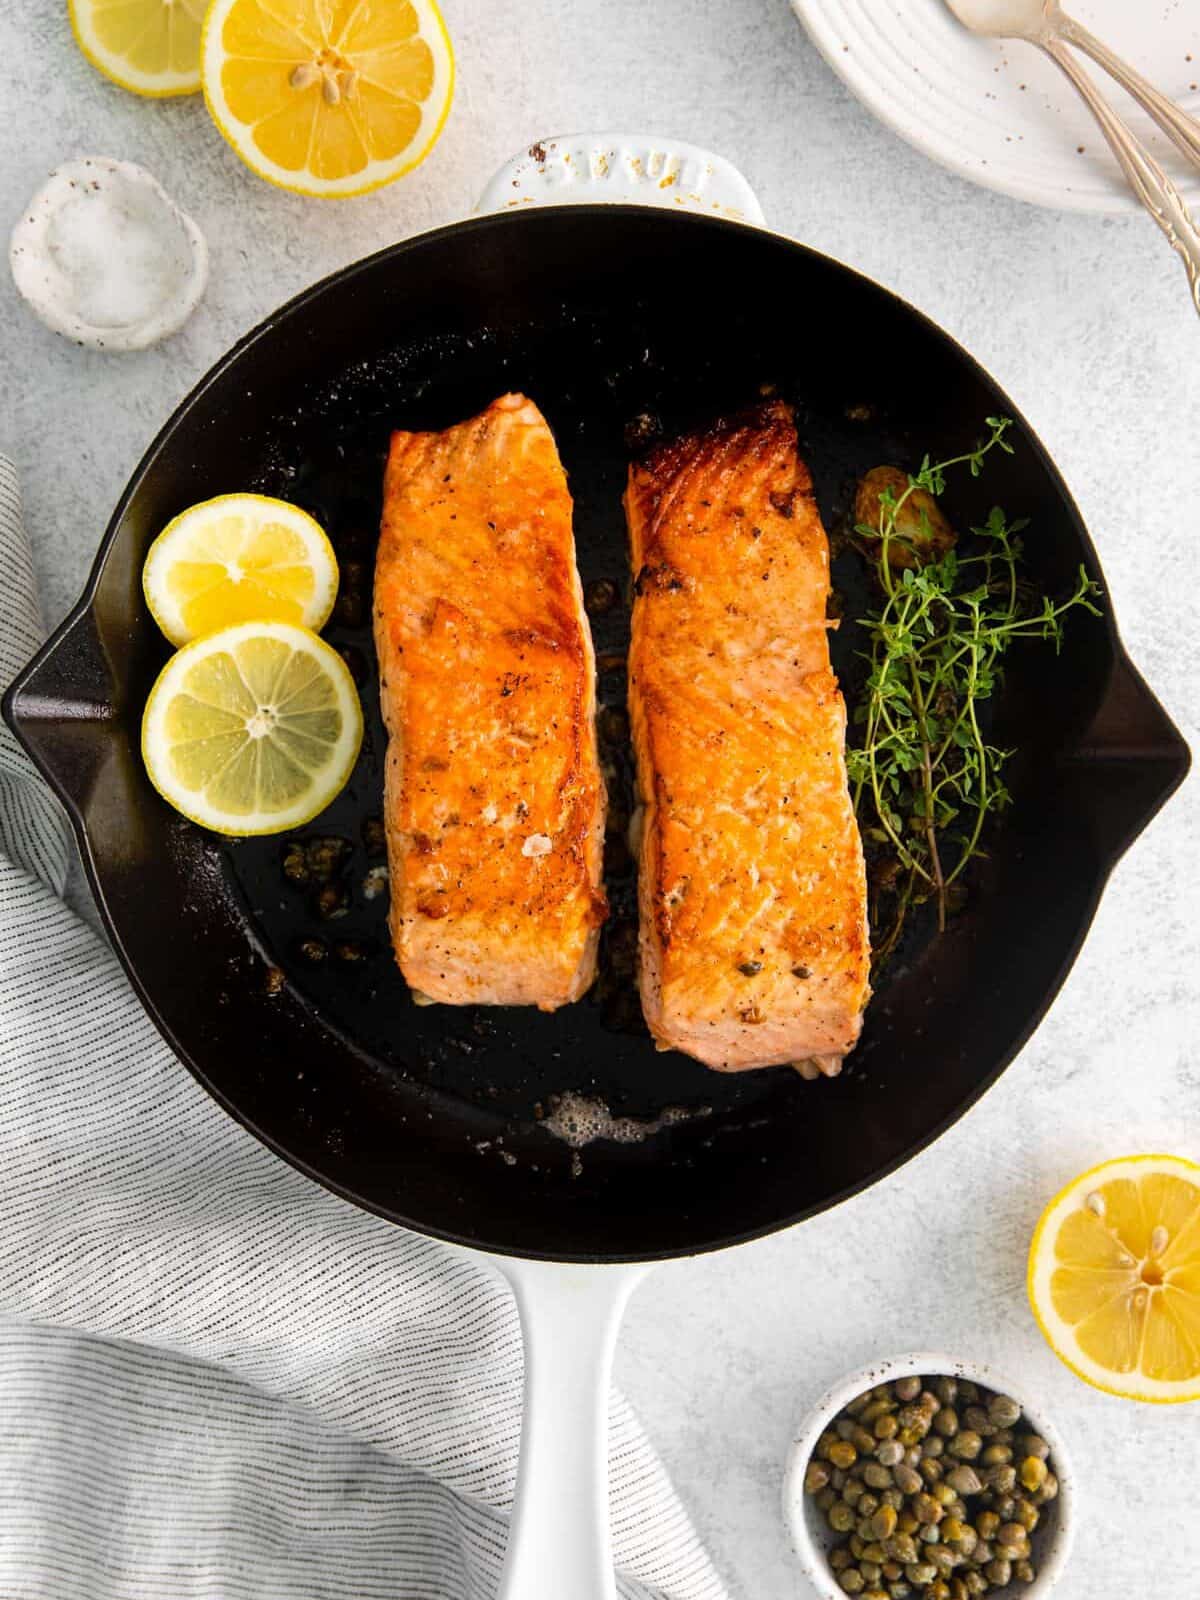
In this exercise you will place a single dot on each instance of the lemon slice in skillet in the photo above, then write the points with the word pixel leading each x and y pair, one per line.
pixel 1114 1277
pixel 254 729
pixel 239 558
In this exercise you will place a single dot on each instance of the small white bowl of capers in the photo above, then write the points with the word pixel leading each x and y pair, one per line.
pixel 926 1478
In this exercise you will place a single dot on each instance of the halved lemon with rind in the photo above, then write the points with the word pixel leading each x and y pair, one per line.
pixel 254 729
pixel 239 558
pixel 328 97
pixel 1114 1277
pixel 151 47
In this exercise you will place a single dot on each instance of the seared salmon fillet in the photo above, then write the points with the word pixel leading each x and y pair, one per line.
pixel 493 799
pixel 753 904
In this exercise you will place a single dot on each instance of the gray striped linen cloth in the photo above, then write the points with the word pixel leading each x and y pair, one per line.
pixel 216 1380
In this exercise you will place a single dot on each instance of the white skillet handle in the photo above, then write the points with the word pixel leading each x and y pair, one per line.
pixel 580 168
pixel 560 1544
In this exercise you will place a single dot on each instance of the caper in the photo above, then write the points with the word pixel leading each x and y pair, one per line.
pixel 871 1570
pixel 853 1491
pixel 842 1453
pixel 946 1390
pixel 892 1570
pixel 907 1388
pixel 983 1552
pixel 883 1523
pixel 964 1480
pixel 939 1589
pixel 968 1392
pixel 958 1589
pixel 1010 1533
pixel 931 1470
pixel 974 1582
pixel 906 1479
pixel 977 1419
pixel 852 1580
pixel 933 1446
pixel 857 1546
pixel 1004 1436
pixel 845 1427
pixel 891 1452
pixel 943 1494
pixel 827 1498
pixel 892 1497
pixel 929 1533
pixel 928 1401
pixel 941 1558
pixel 839 1479
pixel 966 1445
pixel 1002 1479
pixel 999 1572
pixel 1047 1492
pixel 1033 1472
pixel 920 1573
pixel 899 1590
pixel 886 1426
pixel 913 1417
pixel 863 1528
pixel 956 1508
pixel 906 1522
pixel 880 1477
pixel 1003 1411
pixel 902 1547
pixel 910 1436
pixel 875 1594
pixel 952 1530
pixel 1023 1572
pixel 945 1422
pixel 926 1509
pixel 1005 1506
pixel 996 1455
pixel 859 1404
pixel 841 1517
pixel 1027 1515
pixel 816 1476
pixel 840 1557
pixel 876 1409
pixel 868 1505
pixel 966 1541
pixel 1033 1445
pixel 862 1441
pixel 986 1524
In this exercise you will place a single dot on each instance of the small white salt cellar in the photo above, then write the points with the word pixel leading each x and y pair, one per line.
pixel 106 258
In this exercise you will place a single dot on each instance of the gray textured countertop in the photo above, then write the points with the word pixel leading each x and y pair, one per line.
pixel 1086 322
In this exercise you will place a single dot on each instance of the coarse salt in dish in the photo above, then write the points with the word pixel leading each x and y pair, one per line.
pixel 105 257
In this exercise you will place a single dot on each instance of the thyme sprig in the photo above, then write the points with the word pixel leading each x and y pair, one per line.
pixel 924 774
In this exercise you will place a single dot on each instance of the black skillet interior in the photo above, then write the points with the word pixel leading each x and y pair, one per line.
pixel 437 1117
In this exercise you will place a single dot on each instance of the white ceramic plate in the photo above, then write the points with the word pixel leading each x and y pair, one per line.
pixel 1002 114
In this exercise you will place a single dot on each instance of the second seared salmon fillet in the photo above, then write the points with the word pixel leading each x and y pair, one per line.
pixel 754 943
pixel 493 804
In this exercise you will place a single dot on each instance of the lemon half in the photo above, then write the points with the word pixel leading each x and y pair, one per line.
pixel 254 729
pixel 149 46
pixel 239 558
pixel 1114 1277
pixel 328 97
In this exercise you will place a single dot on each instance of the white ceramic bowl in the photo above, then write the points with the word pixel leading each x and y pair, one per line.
pixel 812 1539
pixel 1002 114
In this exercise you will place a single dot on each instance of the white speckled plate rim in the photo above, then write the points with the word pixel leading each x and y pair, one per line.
pixel 999 113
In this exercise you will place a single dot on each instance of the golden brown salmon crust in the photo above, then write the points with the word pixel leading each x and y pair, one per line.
pixel 493 804
pixel 754 943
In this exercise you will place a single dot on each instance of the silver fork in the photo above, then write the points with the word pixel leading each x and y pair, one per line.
pixel 1045 24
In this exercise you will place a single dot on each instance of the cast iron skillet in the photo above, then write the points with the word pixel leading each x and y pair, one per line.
pixel 435 1117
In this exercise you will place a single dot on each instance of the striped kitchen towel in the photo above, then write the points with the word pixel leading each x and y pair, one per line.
pixel 218 1381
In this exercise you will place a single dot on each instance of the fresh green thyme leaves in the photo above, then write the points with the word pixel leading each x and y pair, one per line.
pixel 924 776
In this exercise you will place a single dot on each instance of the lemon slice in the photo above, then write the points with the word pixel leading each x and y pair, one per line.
pixel 328 97
pixel 149 46
pixel 239 558
pixel 252 730
pixel 1114 1277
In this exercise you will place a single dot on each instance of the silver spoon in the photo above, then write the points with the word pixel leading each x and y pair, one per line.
pixel 1045 24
